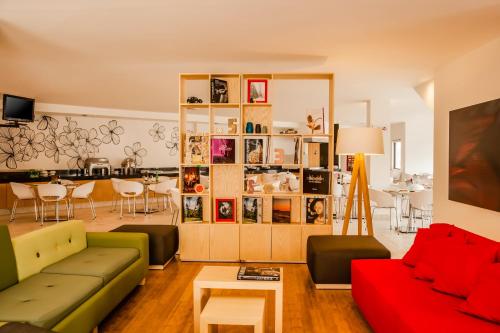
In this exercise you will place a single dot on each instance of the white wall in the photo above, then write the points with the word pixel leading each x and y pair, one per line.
pixel 470 79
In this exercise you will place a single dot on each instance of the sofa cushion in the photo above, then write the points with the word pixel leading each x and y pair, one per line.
pixel 391 300
pixel 41 248
pixel 8 270
pixel 435 253
pixel 44 299
pixel 415 251
pixel 460 272
pixel 484 298
pixel 103 262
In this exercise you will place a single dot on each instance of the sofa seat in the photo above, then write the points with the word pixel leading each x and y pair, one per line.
pixel 392 300
pixel 102 262
pixel 45 299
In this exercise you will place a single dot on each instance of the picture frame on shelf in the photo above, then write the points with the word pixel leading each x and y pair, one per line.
pixel 225 210
pixel 257 90
pixel 315 208
pixel 252 210
pixel 316 181
pixel 191 178
pixel 192 209
pixel 196 149
pixel 256 150
pixel 282 210
pixel 223 150
pixel 219 91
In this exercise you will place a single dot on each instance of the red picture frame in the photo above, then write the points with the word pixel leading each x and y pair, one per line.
pixel 249 90
pixel 225 210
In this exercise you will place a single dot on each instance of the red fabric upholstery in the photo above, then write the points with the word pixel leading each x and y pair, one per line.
pixel 392 300
pixel 415 251
pixel 484 301
pixel 434 254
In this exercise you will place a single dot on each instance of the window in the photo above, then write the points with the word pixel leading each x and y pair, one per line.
pixel 396 154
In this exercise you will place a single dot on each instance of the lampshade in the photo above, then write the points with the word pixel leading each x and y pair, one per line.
pixel 367 140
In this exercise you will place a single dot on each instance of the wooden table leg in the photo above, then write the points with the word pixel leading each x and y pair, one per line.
pixel 200 298
pixel 278 311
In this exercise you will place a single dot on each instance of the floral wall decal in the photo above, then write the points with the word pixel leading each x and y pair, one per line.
pixel 136 152
pixel 61 142
pixel 111 132
pixel 157 132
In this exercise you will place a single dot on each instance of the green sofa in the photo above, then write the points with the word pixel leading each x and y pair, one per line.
pixel 66 279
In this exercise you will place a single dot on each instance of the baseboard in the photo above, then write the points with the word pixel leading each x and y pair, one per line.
pixel 333 286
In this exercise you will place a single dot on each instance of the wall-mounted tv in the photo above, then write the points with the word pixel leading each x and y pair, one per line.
pixel 16 108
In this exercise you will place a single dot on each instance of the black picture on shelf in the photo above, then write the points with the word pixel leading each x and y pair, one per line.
pixel 282 208
pixel 193 209
pixel 316 181
pixel 316 210
pixel 219 92
pixel 252 210
pixel 254 151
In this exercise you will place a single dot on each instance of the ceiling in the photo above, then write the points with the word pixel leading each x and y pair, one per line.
pixel 127 54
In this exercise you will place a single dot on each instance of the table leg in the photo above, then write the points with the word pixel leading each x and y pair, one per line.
pixel 200 298
pixel 278 309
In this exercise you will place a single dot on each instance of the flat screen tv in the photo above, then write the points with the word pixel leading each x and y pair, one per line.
pixel 16 108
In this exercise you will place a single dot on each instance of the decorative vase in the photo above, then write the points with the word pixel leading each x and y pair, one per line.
pixel 257 128
pixel 264 129
pixel 249 127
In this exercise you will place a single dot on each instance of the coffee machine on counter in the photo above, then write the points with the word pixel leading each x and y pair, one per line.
pixel 128 166
pixel 98 166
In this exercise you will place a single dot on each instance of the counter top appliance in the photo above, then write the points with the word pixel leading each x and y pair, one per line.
pixel 99 165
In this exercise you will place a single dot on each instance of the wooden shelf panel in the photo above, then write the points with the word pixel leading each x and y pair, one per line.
pixel 254 105
pixel 225 105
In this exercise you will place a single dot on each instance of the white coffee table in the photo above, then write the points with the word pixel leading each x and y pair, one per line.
pixel 224 277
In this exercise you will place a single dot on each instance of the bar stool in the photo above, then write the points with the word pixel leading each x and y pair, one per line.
pixel 233 311
pixel 130 190
pixel 22 192
pixel 53 193
pixel 83 191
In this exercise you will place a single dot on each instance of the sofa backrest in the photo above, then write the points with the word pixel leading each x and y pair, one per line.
pixel 8 270
pixel 38 249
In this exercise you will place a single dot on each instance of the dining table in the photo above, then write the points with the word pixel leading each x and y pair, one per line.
pixel 402 192
pixel 146 182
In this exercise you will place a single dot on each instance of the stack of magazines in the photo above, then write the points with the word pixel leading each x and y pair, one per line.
pixel 259 273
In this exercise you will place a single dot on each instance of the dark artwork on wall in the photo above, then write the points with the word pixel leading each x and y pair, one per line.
pixel 474 155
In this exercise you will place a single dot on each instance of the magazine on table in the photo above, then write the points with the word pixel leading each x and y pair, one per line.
pixel 259 273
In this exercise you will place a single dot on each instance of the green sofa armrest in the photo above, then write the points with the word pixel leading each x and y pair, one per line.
pixel 122 239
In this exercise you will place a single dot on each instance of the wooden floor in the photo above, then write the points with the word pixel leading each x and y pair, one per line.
pixel 165 304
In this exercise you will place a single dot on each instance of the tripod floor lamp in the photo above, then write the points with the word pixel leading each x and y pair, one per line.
pixel 359 141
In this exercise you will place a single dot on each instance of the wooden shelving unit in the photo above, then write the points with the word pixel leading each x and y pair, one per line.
pixel 268 241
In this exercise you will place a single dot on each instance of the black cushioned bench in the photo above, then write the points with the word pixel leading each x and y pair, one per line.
pixel 329 257
pixel 163 241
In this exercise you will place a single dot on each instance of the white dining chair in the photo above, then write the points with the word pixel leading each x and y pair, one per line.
pixel 84 192
pixel 384 200
pixel 131 190
pixel 422 202
pixel 22 192
pixel 338 198
pixel 53 193
pixel 163 189
pixel 176 200
pixel 354 210
pixel 115 183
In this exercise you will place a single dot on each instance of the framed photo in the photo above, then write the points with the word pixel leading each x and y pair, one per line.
pixel 223 151
pixel 192 208
pixel 282 210
pixel 254 151
pixel 219 92
pixel 315 210
pixel 257 91
pixel 191 178
pixel 225 210
pixel 252 210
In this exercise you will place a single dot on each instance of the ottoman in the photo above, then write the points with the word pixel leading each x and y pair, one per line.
pixel 163 241
pixel 329 258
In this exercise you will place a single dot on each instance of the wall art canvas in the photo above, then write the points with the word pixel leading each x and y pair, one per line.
pixel 282 209
pixel 191 178
pixel 225 210
pixel 252 210
pixel 223 151
pixel 193 209
pixel 315 210
pixel 474 155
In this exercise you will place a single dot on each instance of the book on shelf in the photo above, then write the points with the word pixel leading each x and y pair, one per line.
pixel 196 149
pixel 219 91
pixel 259 273
pixel 316 210
pixel 316 181
pixel 223 150
pixel 252 210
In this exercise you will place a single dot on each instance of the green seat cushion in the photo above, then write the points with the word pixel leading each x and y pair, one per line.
pixel 45 299
pixel 103 262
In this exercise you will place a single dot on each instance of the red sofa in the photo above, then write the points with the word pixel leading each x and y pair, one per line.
pixel 393 300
